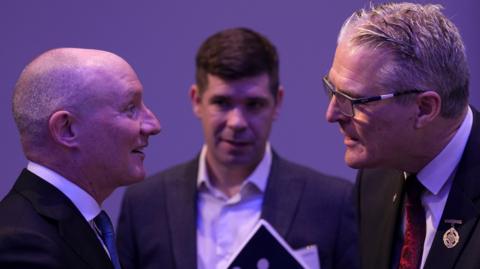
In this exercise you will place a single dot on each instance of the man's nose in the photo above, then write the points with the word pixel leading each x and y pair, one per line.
pixel 333 113
pixel 236 119
pixel 150 123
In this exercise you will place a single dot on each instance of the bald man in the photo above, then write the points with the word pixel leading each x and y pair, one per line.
pixel 83 128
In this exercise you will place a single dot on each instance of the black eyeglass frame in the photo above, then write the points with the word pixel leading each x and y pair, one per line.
pixel 330 90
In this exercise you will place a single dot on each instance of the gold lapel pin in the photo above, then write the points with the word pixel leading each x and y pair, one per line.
pixel 451 236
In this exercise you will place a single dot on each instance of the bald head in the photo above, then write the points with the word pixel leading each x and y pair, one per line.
pixel 57 79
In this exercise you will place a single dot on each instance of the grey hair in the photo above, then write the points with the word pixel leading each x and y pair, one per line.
pixel 51 82
pixel 427 49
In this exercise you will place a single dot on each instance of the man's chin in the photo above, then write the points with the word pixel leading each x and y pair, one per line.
pixel 238 160
pixel 135 177
pixel 356 161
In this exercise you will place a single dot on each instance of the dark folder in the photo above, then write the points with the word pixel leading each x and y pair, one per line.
pixel 265 248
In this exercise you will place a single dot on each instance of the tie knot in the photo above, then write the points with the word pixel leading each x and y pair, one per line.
pixel 103 223
pixel 413 188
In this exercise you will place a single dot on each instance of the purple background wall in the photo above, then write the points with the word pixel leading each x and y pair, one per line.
pixel 160 38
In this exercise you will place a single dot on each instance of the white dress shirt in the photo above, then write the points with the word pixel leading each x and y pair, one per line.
pixel 437 178
pixel 223 222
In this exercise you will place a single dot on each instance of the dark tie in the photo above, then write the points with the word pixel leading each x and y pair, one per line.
pixel 108 236
pixel 412 248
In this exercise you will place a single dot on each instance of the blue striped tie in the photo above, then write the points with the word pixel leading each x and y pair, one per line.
pixel 108 236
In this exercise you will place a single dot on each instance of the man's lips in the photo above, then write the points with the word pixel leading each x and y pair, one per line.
pixel 348 141
pixel 139 150
pixel 236 143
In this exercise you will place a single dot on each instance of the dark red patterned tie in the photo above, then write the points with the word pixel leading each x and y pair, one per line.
pixel 412 248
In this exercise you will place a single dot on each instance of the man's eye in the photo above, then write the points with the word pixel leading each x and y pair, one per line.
pixel 131 110
pixel 256 104
pixel 341 99
pixel 220 102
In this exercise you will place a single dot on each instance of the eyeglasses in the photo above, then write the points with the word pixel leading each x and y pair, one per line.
pixel 345 103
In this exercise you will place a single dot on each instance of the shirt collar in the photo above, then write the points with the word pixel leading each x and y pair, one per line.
pixel 436 173
pixel 258 177
pixel 88 207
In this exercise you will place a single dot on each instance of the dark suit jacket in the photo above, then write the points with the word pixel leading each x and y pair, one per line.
pixel 157 225
pixel 41 228
pixel 379 213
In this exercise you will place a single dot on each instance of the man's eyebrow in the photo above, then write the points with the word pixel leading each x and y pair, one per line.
pixel 219 96
pixel 132 92
pixel 347 92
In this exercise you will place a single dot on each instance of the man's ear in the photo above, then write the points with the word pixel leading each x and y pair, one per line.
pixel 61 126
pixel 278 101
pixel 429 106
pixel 196 99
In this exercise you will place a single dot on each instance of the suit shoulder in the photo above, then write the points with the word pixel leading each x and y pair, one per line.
pixel 367 176
pixel 368 172
pixel 176 171
pixel 25 231
pixel 314 177
pixel 27 248
pixel 154 184
pixel 20 211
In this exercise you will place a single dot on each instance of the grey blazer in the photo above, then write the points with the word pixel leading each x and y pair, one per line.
pixel 157 224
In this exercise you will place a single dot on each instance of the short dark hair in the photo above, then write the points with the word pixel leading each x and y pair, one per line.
pixel 234 54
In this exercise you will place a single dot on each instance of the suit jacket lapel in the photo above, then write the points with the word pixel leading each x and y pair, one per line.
pixel 458 207
pixel 73 228
pixel 181 199
pixel 80 236
pixel 282 195
pixel 380 204
pixel 462 204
